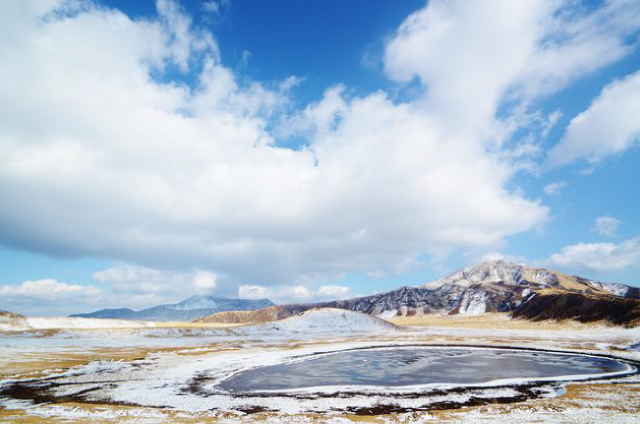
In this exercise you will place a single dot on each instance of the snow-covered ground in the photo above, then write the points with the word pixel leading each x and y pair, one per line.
pixel 313 322
pixel 327 321
pixel 182 367
pixel 41 323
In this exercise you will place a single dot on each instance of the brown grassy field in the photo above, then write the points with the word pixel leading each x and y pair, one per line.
pixel 491 321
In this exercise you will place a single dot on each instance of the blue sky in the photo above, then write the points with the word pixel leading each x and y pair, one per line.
pixel 310 150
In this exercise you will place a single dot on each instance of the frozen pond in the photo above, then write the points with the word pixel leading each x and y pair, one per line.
pixel 415 366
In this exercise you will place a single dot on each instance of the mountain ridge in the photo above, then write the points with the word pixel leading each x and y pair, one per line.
pixel 495 286
pixel 502 273
pixel 189 309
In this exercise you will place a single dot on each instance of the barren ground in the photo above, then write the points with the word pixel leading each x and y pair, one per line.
pixel 595 401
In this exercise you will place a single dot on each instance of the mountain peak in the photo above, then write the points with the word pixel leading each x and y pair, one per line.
pixel 494 272
pixel 504 275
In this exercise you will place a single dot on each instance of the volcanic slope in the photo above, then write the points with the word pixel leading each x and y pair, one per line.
pixel 496 286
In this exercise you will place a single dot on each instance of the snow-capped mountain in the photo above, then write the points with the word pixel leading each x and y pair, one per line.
pixel 503 275
pixel 496 286
pixel 188 310
pixel 498 272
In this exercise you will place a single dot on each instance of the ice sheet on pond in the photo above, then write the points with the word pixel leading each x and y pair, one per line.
pixel 411 366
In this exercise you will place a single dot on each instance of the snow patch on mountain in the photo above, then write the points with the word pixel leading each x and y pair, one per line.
pixel 613 288
pixel 499 271
pixel 473 302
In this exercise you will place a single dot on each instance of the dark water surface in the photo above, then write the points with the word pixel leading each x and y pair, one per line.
pixel 408 366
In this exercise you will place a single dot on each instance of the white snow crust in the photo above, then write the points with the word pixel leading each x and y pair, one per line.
pixel 41 323
pixel 162 380
pixel 158 380
pixel 321 321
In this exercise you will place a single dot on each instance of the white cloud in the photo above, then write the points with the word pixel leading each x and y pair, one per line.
pixel 121 286
pixel 215 7
pixel 466 53
pixel 471 55
pixel 48 289
pixel 211 6
pixel 47 296
pixel 168 285
pixel 600 257
pixel 248 291
pixel 495 256
pixel 295 294
pixel 204 280
pixel 607 226
pixel 100 159
pixel 551 121
pixel 336 292
pixel 162 174
pixel 609 126
pixel 555 188
pixel 277 293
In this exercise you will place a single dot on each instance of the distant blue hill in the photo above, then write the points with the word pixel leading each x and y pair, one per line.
pixel 188 310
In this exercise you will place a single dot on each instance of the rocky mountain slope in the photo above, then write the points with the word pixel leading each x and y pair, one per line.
pixel 188 310
pixel 496 286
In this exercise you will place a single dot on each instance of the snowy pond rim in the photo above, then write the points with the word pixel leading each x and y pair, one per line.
pixel 199 389
pixel 631 367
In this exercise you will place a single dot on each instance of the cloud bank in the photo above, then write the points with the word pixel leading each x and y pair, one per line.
pixel 128 139
pixel 598 257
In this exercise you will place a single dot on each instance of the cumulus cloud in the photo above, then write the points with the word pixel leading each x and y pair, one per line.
pixel 472 55
pixel 48 289
pixel 47 296
pixel 333 292
pixel 142 287
pixel 610 125
pixel 129 286
pixel 607 226
pixel 295 294
pixel 99 157
pixel 600 257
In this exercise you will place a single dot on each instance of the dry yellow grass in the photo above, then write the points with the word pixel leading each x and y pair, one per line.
pixel 39 365
pixel 490 321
